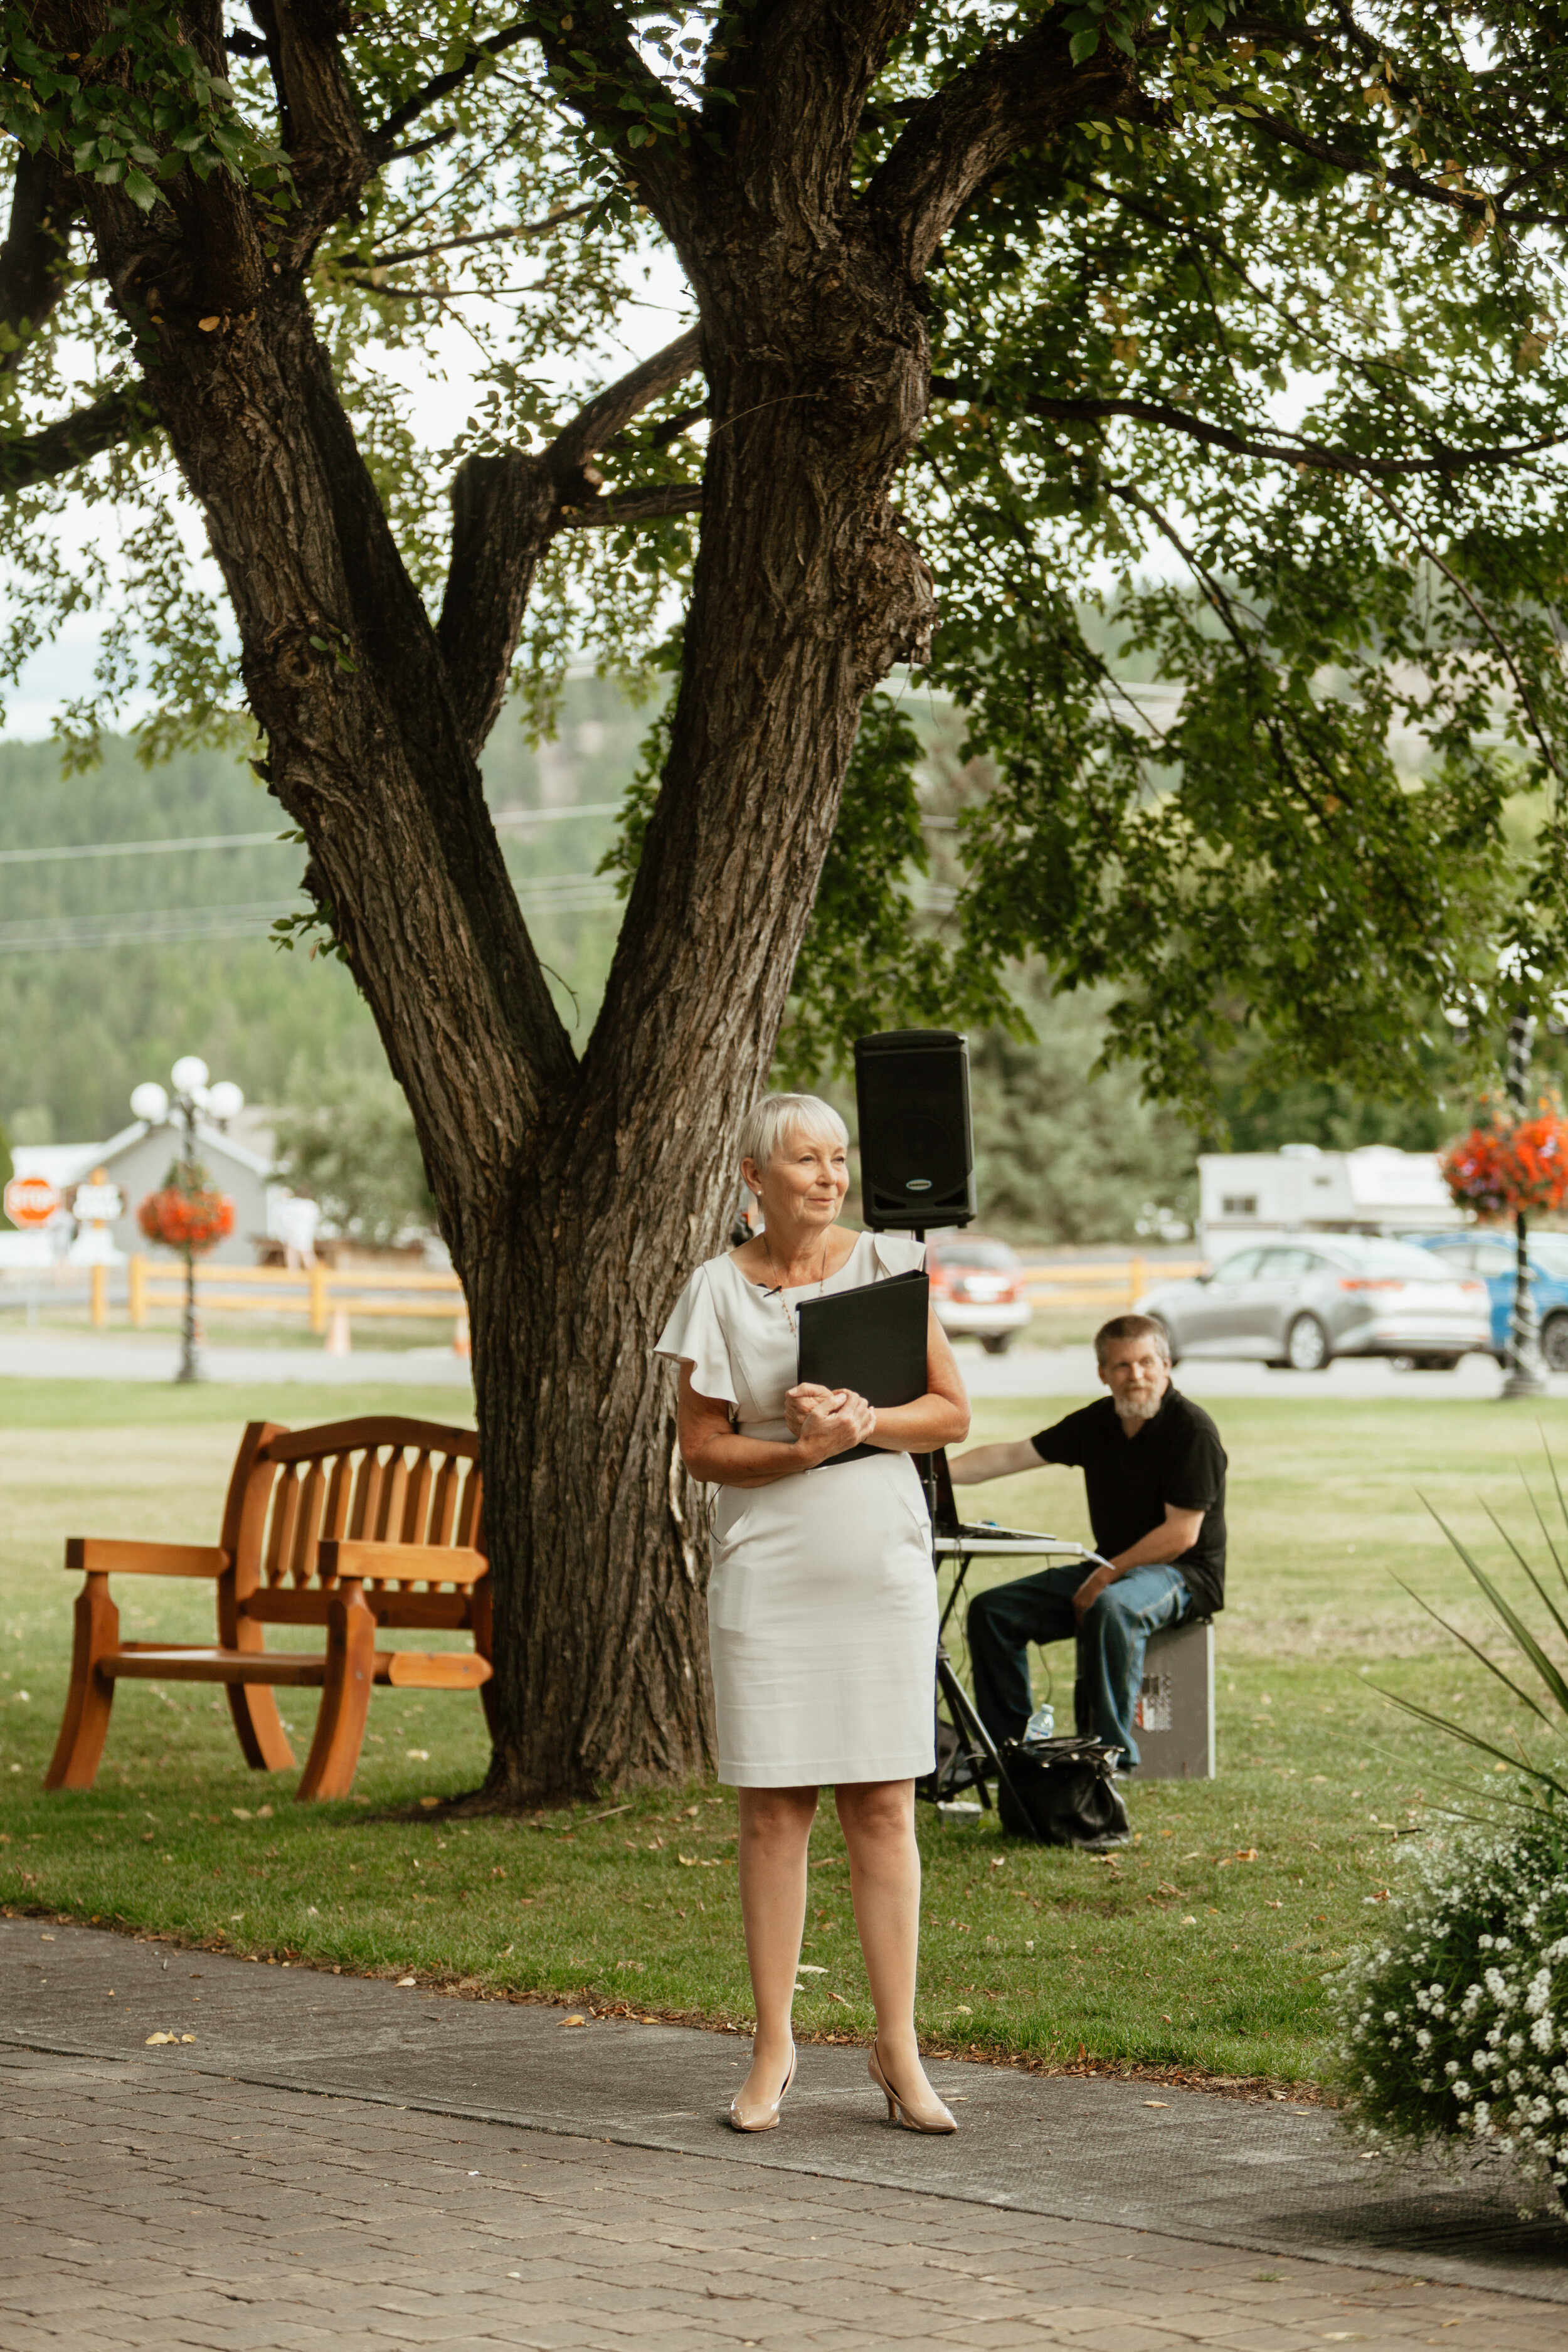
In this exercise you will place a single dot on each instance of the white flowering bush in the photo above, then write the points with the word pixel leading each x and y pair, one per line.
pixel 1453 2027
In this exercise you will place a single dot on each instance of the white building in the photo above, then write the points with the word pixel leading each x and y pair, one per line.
pixel 1247 1195
pixel 137 1160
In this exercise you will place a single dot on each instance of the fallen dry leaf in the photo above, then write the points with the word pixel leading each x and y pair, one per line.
pixel 407 1981
pixel 242 1812
pixel 154 2039
pixel 573 2020
pixel 429 1802
pixel 1156 2102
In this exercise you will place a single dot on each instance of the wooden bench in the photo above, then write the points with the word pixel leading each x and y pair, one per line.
pixel 353 1526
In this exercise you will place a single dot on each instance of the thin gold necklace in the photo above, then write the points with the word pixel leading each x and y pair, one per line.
pixel 779 1286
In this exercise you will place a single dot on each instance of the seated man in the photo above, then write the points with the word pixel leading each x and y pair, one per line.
pixel 1154 1471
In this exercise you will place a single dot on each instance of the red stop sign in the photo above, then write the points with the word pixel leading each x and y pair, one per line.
pixel 31 1201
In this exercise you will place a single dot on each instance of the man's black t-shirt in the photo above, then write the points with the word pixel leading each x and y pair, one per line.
pixel 1176 1458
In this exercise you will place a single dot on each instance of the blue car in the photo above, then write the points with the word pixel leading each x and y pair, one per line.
pixel 1491 1256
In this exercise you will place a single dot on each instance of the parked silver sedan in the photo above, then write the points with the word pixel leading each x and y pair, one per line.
pixel 1298 1304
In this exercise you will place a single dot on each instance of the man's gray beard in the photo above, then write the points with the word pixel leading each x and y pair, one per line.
pixel 1130 1409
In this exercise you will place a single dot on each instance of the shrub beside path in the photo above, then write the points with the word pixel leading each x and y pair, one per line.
pixel 361 2164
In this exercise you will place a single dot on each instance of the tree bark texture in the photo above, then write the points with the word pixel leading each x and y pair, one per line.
pixel 577 1196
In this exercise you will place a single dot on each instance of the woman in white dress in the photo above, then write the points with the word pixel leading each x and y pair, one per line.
pixel 822 1607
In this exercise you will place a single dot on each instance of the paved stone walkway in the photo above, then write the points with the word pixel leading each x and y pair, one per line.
pixel 336 2161
pixel 146 2210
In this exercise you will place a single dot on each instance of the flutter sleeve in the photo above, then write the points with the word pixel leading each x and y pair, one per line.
pixel 694 1335
pixel 899 1252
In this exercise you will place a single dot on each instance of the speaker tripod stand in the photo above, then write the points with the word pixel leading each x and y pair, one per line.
pixel 973 1755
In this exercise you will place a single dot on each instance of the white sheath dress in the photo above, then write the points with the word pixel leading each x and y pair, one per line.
pixel 822 1609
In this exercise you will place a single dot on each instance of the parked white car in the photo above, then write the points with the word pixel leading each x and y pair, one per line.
pixel 1298 1304
pixel 976 1289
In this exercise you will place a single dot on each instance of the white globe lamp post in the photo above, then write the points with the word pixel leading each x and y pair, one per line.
pixel 192 1096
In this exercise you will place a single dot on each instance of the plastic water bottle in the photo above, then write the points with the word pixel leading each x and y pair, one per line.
pixel 1041 1725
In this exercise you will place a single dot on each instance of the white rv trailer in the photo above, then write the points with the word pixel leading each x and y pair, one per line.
pixel 1250 1195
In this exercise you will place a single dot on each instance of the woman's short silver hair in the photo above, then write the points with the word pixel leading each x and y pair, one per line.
pixel 778 1116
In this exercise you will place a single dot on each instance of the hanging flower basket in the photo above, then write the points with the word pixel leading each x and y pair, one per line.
pixel 183 1217
pixel 1506 1167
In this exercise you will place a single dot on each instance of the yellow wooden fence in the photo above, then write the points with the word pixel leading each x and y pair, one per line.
pixel 1101 1285
pixel 1095 1286
pixel 318 1293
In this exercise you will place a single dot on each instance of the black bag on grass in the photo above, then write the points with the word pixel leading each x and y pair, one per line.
pixel 1062 1793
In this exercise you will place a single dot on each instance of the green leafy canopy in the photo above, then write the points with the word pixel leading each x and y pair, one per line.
pixel 1254 395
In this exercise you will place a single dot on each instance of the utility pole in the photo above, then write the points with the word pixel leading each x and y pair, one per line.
pixel 1526 1375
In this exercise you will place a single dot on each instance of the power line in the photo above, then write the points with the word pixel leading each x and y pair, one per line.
pixel 152 926
pixel 251 919
pixel 141 849
pixel 507 820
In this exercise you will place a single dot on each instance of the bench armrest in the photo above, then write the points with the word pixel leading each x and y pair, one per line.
pixel 112 1556
pixel 382 1563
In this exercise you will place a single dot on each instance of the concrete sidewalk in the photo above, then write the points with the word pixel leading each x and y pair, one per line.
pixel 349 2162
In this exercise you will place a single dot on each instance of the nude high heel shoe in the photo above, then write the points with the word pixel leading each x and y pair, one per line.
pixel 764 2116
pixel 936 2118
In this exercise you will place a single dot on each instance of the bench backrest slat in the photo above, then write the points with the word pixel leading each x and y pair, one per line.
pixel 393 1495
pixel 467 1512
pixel 386 1481
pixel 280 1533
pixel 306 1522
pixel 367 1494
pixel 339 1494
pixel 444 1509
pixel 416 1503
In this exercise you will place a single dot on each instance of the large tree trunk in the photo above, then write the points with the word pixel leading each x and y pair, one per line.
pixel 577 1196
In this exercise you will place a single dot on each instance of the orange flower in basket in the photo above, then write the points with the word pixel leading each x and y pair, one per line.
pixel 1506 1168
pixel 181 1220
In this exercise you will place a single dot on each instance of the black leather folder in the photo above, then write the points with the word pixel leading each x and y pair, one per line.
pixel 871 1340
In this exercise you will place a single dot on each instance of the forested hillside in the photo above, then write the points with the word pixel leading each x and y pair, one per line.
pixel 113 965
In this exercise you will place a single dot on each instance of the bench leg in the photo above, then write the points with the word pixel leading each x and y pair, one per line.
pixel 263 1741
pixel 345 1699
pixel 92 1695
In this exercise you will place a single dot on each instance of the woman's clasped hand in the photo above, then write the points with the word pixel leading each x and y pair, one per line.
pixel 827 1420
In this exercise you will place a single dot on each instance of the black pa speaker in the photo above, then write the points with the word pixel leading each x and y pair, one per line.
pixel 917 1146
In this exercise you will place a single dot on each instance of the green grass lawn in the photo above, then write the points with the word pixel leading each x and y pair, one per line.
pixel 1201 1946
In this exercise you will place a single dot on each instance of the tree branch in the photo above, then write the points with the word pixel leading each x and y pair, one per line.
pixel 1325 457
pixel 35 262
pixel 505 512
pixel 611 410
pixel 126 415
pixel 649 505
pixel 1474 204
pixel 1027 92
pixel 434 91
pixel 326 141
pixel 480 236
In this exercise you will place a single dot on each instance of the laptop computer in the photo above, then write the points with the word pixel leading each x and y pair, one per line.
pixel 976 1536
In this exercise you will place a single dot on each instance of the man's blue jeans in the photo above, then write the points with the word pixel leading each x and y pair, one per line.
pixel 1110 1645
